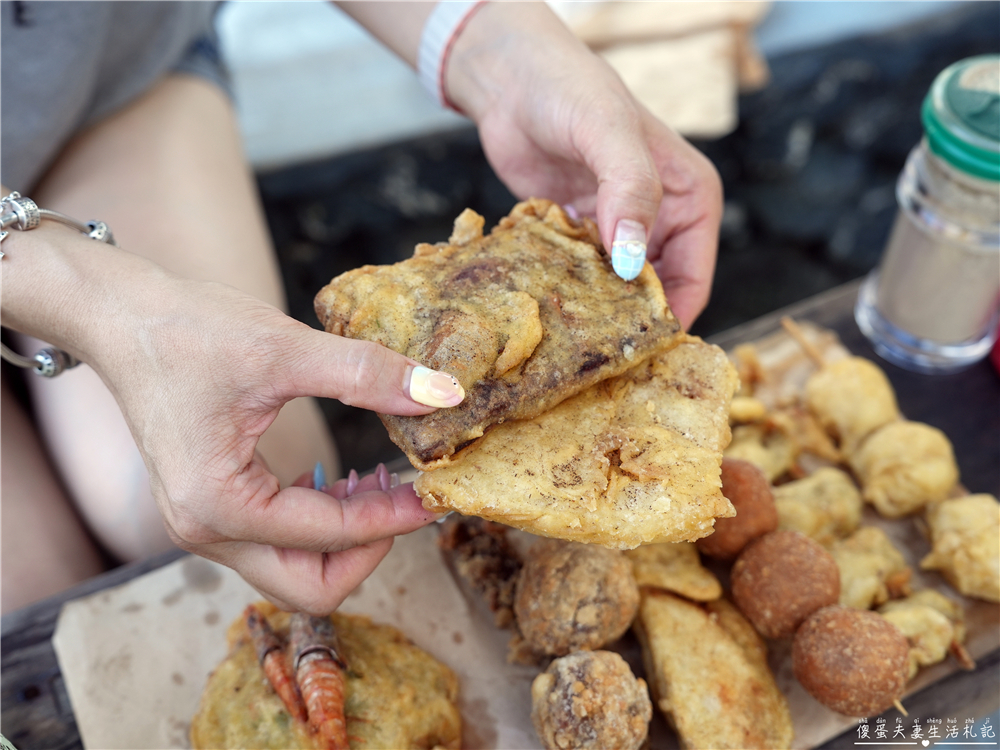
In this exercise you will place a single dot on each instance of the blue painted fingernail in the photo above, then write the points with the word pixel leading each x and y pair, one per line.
pixel 319 477
pixel 628 251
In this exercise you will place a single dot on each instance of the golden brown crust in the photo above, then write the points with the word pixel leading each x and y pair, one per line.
pixel 851 660
pixel 780 579
pixel 634 460
pixel 709 676
pixel 590 700
pixel 524 318
pixel 574 596
pixel 397 696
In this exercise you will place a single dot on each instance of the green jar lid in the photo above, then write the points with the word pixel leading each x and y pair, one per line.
pixel 961 116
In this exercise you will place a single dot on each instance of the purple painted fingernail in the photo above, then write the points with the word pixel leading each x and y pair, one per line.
pixel 352 482
pixel 319 477
pixel 571 212
pixel 382 475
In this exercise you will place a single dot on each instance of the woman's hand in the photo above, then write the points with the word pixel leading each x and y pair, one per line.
pixel 200 370
pixel 556 122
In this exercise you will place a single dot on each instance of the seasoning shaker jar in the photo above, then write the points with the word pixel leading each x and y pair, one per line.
pixel 933 303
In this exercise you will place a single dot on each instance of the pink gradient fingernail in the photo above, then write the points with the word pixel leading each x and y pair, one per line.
pixel 382 475
pixel 433 388
pixel 352 482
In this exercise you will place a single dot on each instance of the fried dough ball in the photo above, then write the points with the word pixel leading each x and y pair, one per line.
pixel 826 505
pixel 574 596
pixel 903 466
pixel 852 398
pixel 965 544
pixel 872 570
pixel 746 487
pixel 934 626
pixel 780 579
pixel 853 661
pixel 590 699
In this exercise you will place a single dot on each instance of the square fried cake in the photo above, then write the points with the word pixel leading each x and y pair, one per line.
pixel 632 460
pixel 524 318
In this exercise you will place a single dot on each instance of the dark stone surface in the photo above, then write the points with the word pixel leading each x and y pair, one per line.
pixel 809 178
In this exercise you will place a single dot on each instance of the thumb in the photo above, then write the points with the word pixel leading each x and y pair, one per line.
pixel 369 375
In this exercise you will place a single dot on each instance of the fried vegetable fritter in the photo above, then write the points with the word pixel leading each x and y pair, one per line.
pixel 826 505
pixel 524 318
pixel 872 570
pixel 707 669
pixel 398 697
pixel 590 700
pixel 965 538
pixel 633 460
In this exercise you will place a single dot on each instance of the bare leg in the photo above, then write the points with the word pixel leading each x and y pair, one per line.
pixel 44 547
pixel 168 176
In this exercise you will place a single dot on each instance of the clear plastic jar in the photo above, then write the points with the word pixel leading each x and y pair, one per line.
pixel 934 302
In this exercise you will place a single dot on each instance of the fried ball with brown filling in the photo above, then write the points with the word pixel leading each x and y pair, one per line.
pixel 853 661
pixel 747 488
pixel 574 596
pixel 780 579
pixel 590 699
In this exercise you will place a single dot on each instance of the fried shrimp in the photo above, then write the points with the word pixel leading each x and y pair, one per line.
pixel 274 661
pixel 319 671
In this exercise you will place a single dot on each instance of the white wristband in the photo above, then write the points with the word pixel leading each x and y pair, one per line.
pixel 441 29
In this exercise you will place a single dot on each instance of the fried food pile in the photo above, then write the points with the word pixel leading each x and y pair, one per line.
pixel 825 428
pixel 523 317
pixel 589 415
pixel 346 683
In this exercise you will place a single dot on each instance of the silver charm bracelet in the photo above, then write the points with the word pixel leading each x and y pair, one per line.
pixel 18 212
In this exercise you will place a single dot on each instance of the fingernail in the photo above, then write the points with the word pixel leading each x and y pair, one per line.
pixel 394 480
pixel 352 481
pixel 571 212
pixel 382 475
pixel 433 388
pixel 319 477
pixel 439 517
pixel 628 251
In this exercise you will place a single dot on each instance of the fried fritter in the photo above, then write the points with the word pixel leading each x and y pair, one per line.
pixel 965 539
pixel 524 318
pixel 826 505
pixel 746 487
pixel 708 673
pixel 674 566
pixel 766 445
pixel 852 398
pixel 903 466
pixel 398 697
pixel 590 700
pixel 574 596
pixel 934 626
pixel 872 570
pixel 482 555
pixel 633 460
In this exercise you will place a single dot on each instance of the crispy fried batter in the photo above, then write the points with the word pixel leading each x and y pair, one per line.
pixel 573 596
pixel 631 461
pixel 590 700
pixel 524 318
pixel 826 505
pixel 903 466
pixel 482 555
pixel 965 534
pixel 767 445
pixel 674 566
pixel 397 696
pixel 933 624
pixel 708 673
pixel 872 570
